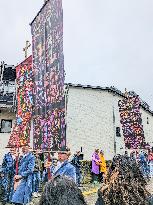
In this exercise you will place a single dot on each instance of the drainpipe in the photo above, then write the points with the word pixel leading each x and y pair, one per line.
pixel 114 127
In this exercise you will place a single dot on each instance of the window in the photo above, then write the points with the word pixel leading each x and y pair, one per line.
pixel 6 126
pixel 147 121
pixel 118 134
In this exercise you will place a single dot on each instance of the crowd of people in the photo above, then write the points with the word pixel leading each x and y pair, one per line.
pixel 22 174
pixel 144 158
pixel 98 166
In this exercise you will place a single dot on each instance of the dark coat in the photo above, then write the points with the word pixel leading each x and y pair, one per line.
pixel 8 167
pixel 100 200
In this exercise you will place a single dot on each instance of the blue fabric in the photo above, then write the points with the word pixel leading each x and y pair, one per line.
pixel 3 189
pixel 8 167
pixel 8 164
pixel 67 169
pixel 36 182
pixel 144 167
pixel 24 191
pixel 45 176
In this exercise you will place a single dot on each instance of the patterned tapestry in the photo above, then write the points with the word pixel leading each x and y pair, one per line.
pixel 48 70
pixel 22 127
pixel 131 121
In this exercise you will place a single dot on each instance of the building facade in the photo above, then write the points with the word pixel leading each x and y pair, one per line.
pixel 7 103
pixel 93 121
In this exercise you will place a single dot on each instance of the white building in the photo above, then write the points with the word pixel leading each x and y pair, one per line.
pixel 92 119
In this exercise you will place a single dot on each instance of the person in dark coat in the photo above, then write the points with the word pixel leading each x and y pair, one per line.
pixel 77 164
pixel 23 181
pixel 60 190
pixel 8 166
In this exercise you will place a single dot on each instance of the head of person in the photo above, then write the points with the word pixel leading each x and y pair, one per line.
pixel 102 152
pixel 62 191
pixel 37 153
pixel 97 151
pixel 64 154
pixel 132 154
pixel 12 150
pixel 54 161
pixel 25 149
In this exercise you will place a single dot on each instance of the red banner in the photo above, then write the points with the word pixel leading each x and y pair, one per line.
pixel 21 131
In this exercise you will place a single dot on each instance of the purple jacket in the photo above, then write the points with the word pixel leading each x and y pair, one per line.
pixel 95 167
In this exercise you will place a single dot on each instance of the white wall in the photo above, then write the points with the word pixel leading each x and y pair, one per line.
pixel 148 128
pixel 90 121
pixel 120 146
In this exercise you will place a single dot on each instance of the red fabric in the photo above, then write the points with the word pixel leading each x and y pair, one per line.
pixel 21 130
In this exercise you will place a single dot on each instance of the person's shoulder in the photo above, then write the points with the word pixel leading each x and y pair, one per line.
pixel 70 165
pixel 7 154
pixel 31 156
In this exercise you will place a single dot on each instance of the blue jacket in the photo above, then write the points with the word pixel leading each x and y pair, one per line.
pixel 24 191
pixel 8 164
pixel 67 169
pixel 8 167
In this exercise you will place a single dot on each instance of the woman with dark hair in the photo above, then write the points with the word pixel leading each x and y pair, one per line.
pixel 124 184
pixel 62 191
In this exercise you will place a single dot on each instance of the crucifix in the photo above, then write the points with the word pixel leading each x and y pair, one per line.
pixel 26 49
pixel 126 93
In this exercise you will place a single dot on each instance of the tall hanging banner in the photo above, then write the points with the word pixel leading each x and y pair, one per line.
pixel 21 131
pixel 131 121
pixel 48 69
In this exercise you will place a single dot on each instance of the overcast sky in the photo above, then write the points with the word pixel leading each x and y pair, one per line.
pixel 106 42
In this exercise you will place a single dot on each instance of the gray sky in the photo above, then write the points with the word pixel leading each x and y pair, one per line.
pixel 106 42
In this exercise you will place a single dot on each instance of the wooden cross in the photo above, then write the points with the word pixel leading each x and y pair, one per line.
pixel 126 92
pixel 26 49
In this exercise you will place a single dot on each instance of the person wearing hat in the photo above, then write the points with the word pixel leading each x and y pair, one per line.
pixel 64 166
pixel 8 166
pixel 23 181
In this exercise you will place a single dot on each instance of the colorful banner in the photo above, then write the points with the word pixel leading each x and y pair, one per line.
pixel 48 69
pixel 21 131
pixel 131 121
